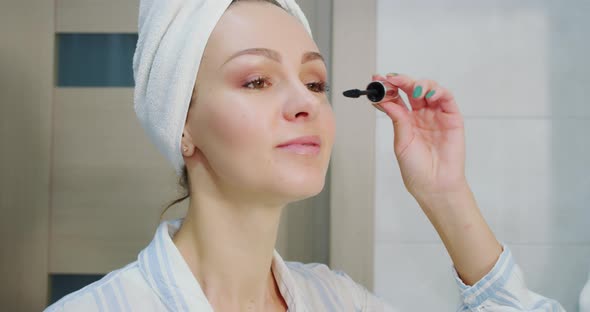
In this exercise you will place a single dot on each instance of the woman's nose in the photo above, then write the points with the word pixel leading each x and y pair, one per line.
pixel 302 104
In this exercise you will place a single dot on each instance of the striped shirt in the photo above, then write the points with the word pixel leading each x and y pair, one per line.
pixel 160 280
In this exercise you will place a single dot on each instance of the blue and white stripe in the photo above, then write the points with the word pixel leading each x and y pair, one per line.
pixel 160 280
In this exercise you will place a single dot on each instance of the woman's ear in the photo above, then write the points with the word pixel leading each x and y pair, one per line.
pixel 186 144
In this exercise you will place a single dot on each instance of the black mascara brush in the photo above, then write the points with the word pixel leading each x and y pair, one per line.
pixel 375 92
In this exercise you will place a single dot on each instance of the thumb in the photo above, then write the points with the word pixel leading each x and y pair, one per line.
pixel 402 124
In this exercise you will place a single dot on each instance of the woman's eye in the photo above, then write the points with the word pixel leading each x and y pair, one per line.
pixel 319 87
pixel 258 83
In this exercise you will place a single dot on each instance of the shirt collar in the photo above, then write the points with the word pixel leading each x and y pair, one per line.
pixel 169 275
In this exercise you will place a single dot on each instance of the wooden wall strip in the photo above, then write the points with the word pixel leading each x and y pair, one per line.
pixel 105 16
pixel 109 182
pixel 26 79
pixel 353 162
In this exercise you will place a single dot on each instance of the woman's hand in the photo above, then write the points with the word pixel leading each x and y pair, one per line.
pixel 429 144
pixel 429 140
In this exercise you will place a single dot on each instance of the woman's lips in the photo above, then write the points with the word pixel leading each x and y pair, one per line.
pixel 302 149
pixel 309 145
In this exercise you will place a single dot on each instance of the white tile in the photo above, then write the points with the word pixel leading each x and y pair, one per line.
pixel 508 170
pixel 570 181
pixel 569 50
pixel 531 178
pixel 557 272
pixel 494 62
pixel 415 277
pixel 499 58
pixel 398 217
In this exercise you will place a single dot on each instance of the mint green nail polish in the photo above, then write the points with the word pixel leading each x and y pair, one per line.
pixel 430 94
pixel 417 91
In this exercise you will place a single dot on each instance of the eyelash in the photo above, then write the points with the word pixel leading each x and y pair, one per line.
pixel 321 86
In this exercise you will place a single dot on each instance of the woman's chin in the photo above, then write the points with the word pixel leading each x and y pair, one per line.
pixel 300 190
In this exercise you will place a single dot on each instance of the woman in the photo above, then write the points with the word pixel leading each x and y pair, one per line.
pixel 258 135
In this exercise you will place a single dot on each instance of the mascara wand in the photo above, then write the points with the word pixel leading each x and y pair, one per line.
pixel 376 92
pixel 355 93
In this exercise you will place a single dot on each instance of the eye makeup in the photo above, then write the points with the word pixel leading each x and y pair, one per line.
pixel 318 86
pixel 256 75
pixel 259 82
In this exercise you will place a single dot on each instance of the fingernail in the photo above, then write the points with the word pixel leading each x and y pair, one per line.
pixel 392 74
pixel 417 91
pixel 430 94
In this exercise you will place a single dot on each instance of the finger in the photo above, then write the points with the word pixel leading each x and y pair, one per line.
pixel 414 89
pixel 419 91
pixel 432 89
pixel 402 124
pixel 404 82
pixel 433 95
pixel 395 97
pixel 443 98
pixel 377 77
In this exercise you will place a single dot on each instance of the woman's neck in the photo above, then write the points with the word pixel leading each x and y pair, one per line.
pixel 229 248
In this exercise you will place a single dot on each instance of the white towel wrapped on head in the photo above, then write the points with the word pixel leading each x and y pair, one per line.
pixel 172 38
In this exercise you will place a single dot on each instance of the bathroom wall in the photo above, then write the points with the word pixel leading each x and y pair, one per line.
pixel 518 70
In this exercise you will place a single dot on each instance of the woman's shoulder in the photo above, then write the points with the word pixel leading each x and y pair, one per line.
pixel 116 289
pixel 311 271
pixel 318 279
pixel 334 289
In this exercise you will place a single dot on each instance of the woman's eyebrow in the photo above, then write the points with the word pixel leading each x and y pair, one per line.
pixel 271 54
pixel 311 56
pixel 274 55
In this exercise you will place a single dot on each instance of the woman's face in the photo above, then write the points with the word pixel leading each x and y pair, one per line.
pixel 260 85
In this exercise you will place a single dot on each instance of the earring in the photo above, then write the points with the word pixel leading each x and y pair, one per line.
pixel 185 149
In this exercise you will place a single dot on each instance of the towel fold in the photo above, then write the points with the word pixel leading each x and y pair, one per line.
pixel 171 41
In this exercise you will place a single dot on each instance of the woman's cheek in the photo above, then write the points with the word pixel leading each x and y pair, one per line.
pixel 235 126
pixel 329 125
